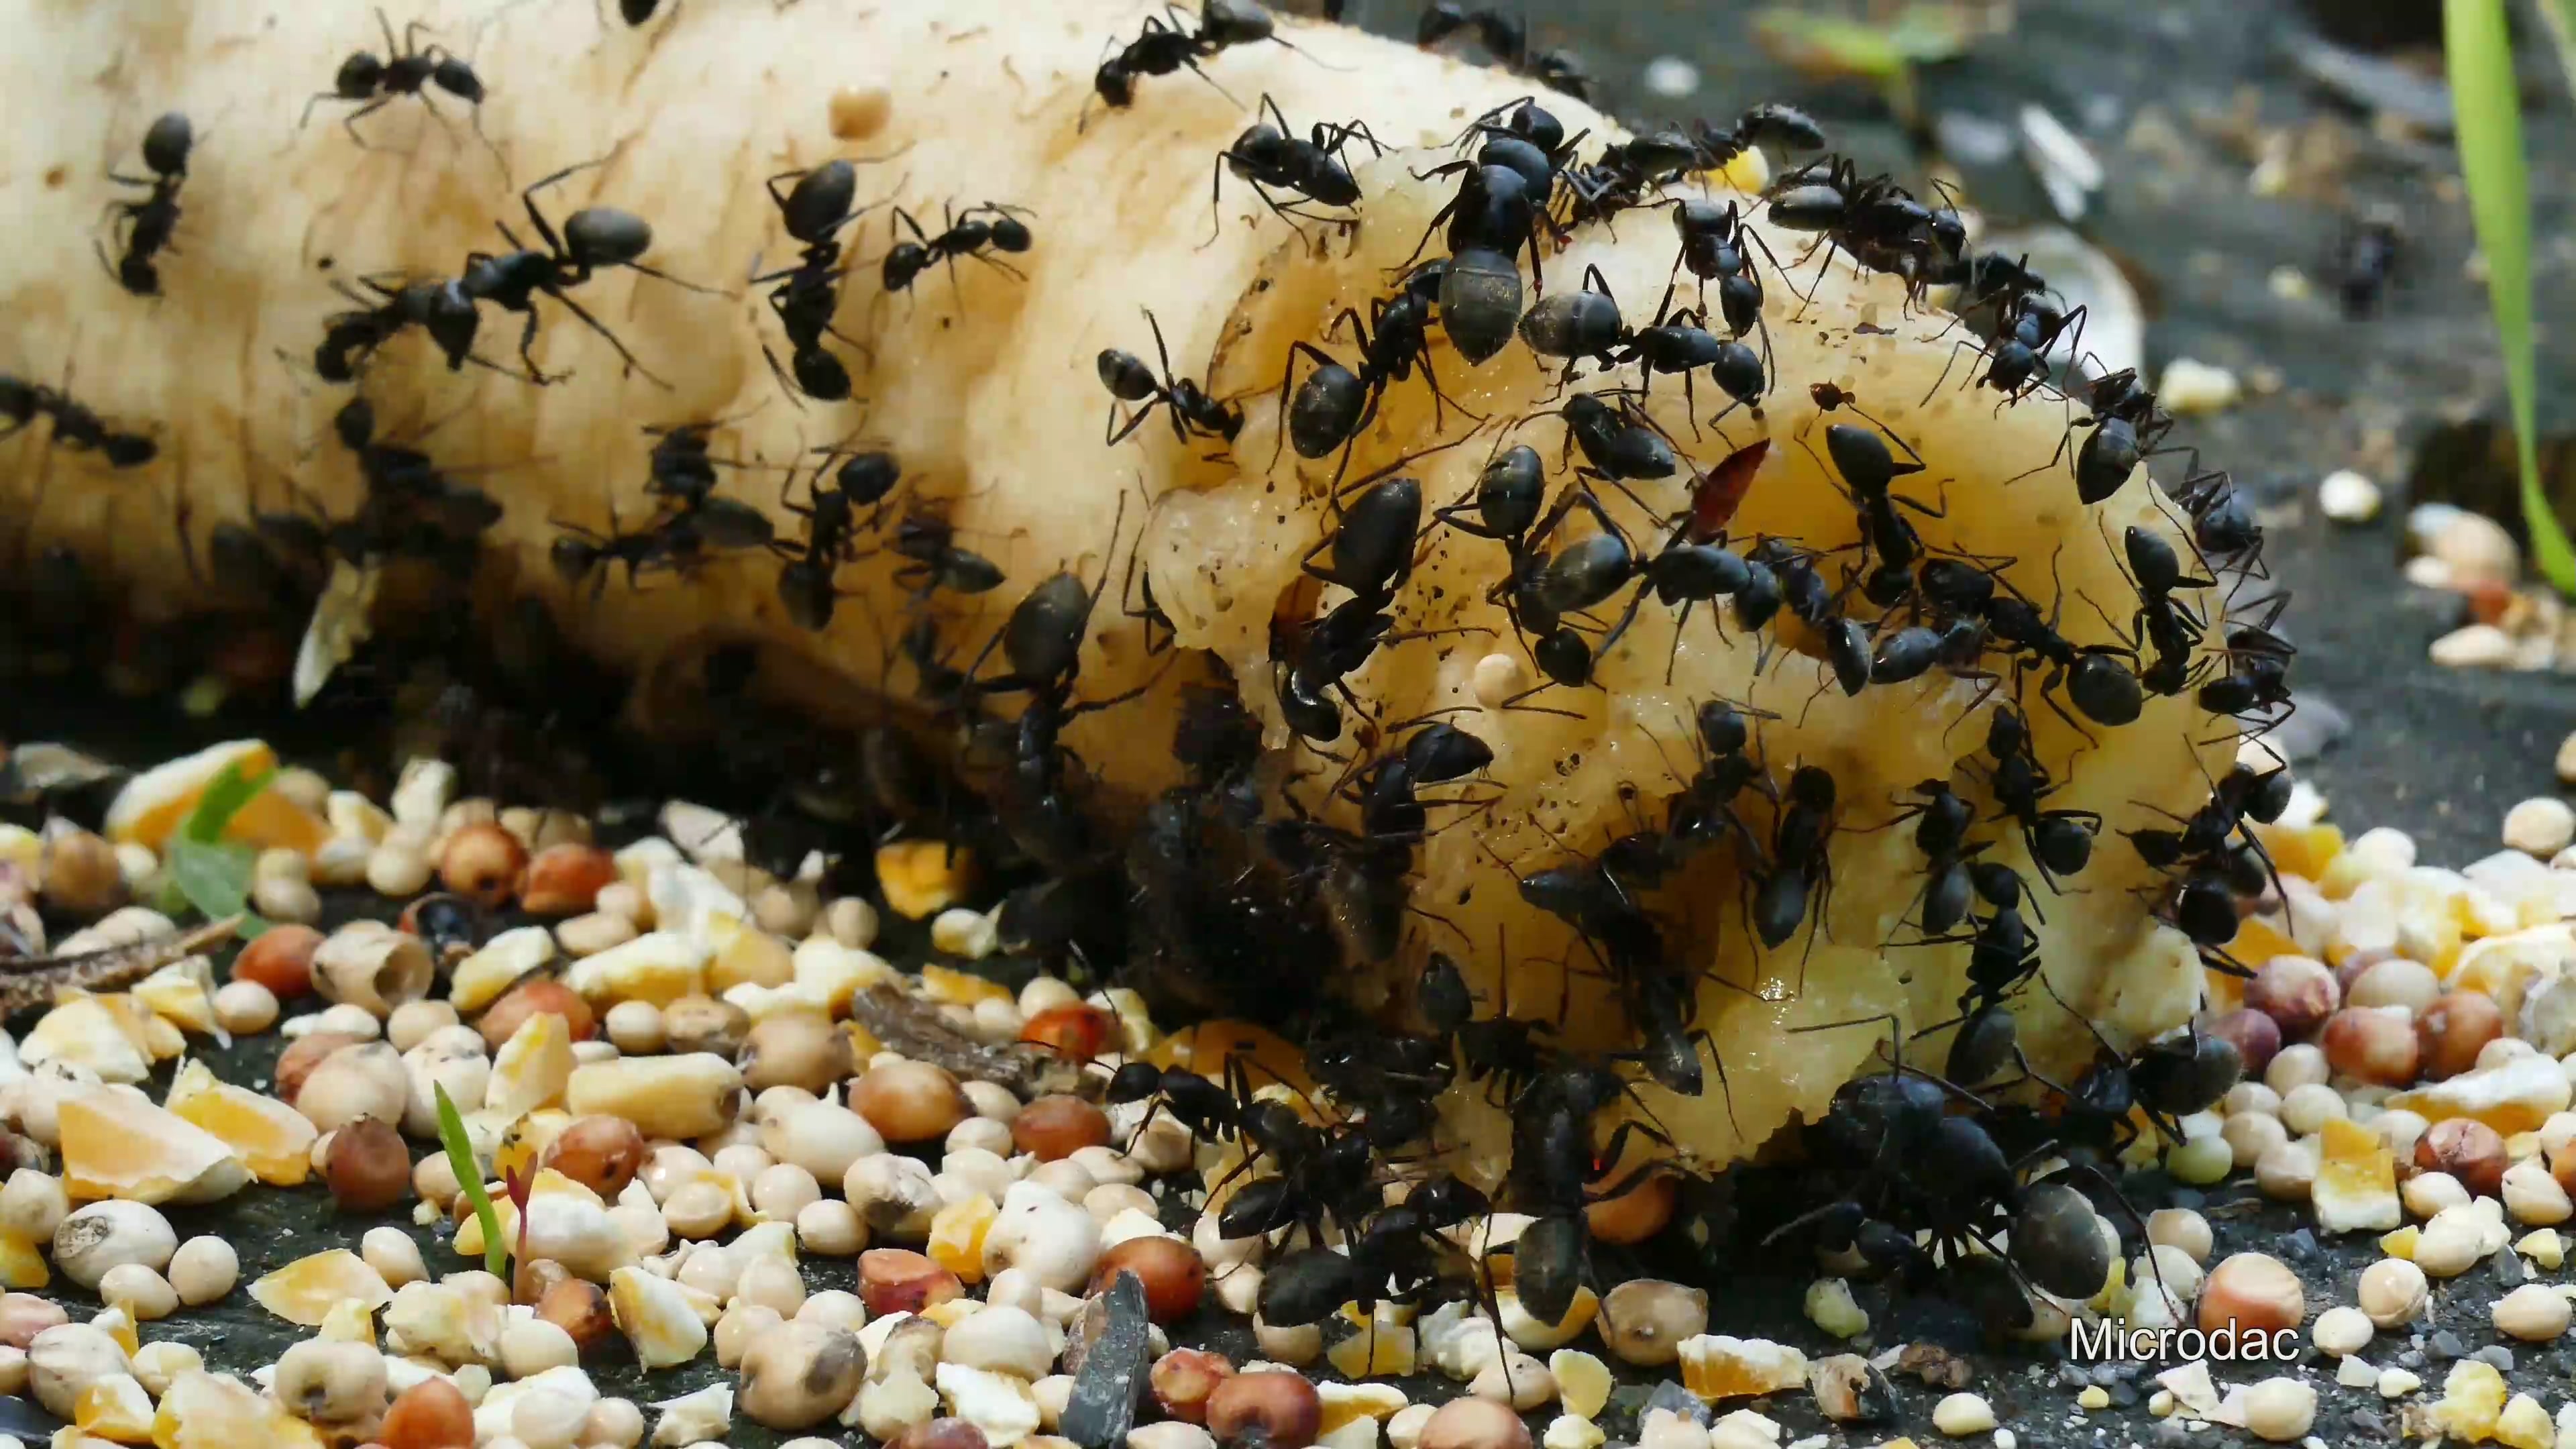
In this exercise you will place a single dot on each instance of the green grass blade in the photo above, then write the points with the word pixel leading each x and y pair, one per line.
pixel 223 799
pixel 469 1177
pixel 2561 16
pixel 2488 114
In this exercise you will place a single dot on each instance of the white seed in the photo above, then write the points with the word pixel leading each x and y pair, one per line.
pixel 2542 825
pixel 2391 1292
pixel 394 1256
pixel 635 1027
pixel 203 1270
pixel 105 1234
pixel 2295 1066
pixel 549 1418
pixel 821 1137
pixel 771 1282
pixel 698 1210
pixel 2181 1228
pixel 2534 1197
pixel 33 1204
pixel 2399 1128
pixel 2347 497
pixel 986 1135
pixel 2472 646
pixel 245 1008
pixel 140 1291
pixel 328 1381
pixel 2341 1330
pixel 2201 1161
pixel 413 1021
pixel 1052 1240
pixel 2250 1097
pixel 1497 678
pixel 1959 1415
pixel 961 932
pixel 2289 1171
pixel 156 1364
pixel 2450 1244
pixel 531 1346
pixel 2307 1108
pixel 396 869
pixel 67 1358
pixel 2427 1193
pixel 784 1190
pixel 851 921
pixel 286 900
pixel 592 933
pixel 834 1308
pixel 2251 1134
pixel 1005 1340
pixel 2280 1409
pixel 2534 1313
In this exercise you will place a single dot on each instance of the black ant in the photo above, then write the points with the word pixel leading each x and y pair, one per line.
pixel 1192 410
pixel 975 233
pixel 144 227
pixel 862 481
pixel 2060 842
pixel 934 561
pixel 593 238
pixel 2104 690
pixel 1330 408
pixel 1272 157
pixel 1872 220
pixel 405 70
pixel 1587 323
pixel 2162 623
pixel 1168 44
pixel 75 425
pixel 1798 879
pixel 2028 326
pixel 1507 40
pixel 808 293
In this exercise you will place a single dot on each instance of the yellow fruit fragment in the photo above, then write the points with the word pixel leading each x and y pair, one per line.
pixel 957 1236
pixel 154 804
pixel 117 1146
pixel 349 1321
pixel 958 988
pixel 532 1067
pixel 656 1316
pixel 1716 1367
pixel 305 1291
pixel 22 1263
pixel 2356 1182
pixel 114 1406
pixel 2515 1095
pixel 181 993
pixel 206 1411
pixel 923 877
pixel 2301 850
pixel 273 1139
pixel 84 1031
pixel 118 1324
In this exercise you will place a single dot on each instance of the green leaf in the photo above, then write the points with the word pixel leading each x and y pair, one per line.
pixel 224 798
pixel 213 878
pixel 2488 114
pixel 469 1177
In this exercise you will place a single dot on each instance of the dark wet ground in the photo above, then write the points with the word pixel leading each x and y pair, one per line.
pixel 2440 753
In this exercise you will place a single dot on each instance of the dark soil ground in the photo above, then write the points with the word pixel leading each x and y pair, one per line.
pixel 2439 753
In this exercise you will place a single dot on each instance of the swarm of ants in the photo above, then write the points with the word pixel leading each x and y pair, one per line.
pixel 1221 893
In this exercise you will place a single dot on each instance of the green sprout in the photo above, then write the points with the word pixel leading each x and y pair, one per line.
pixel 2488 118
pixel 208 872
pixel 469 1177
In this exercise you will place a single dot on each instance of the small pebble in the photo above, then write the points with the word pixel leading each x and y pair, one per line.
pixel 2542 825
pixel 2347 497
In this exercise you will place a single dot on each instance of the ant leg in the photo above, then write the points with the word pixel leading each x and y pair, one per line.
pixel 601 328
pixel 349 122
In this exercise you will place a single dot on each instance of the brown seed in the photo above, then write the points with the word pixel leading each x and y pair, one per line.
pixel 431 1414
pixel 566 879
pixel 1184 1378
pixel 1076 1033
pixel 2453 1030
pixel 82 878
pixel 2467 1149
pixel 281 959
pixel 530 998
pixel 1271 1409
pixel 1635 1215
pixel 899 1280
pixel 1468 1422
pixel 1170 1269
pixel 704 1024
pixel 2252 1292
pixel 2376 1044
pixel 909 1101
pixel 940 1434
pixel 305 1053
pixel 2256 1037
pixel 795 1049
pixel 579 1309
pixel 600 1152
pixel 367 1168
pixel 1055 1127
pixel 2296 992
pixel 482 862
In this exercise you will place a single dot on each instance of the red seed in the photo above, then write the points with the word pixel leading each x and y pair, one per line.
pixel 1281 1409
pixel 431 1414
pixel 533 998
pixel 2467 1149
pixel 1184 1378
pixel 1054 1127
pixel 281 959
pixel 940 1434
pixel 1076 1033
pixel 2454 1029
pixel 899 1280
pixel 1170 1269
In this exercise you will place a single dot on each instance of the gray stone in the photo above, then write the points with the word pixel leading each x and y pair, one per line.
pixel 1111 1375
